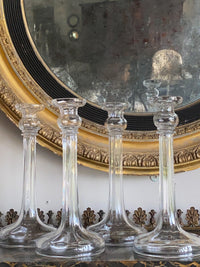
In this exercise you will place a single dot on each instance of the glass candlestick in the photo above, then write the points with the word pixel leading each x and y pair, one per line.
pixel 70 240
pixel 168 240
pixel 28 227
pixel 151 92
pixel 116 228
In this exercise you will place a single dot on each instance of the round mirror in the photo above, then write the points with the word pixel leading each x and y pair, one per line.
pixel 106 51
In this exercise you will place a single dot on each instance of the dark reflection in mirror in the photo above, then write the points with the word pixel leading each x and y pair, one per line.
pixel 104 50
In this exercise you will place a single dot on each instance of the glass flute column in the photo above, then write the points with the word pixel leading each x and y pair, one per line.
pixel 168 240
pixel 116 228
pixel 70 240
pixel 28 227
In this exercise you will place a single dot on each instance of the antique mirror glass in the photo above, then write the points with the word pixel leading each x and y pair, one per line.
pixel 103 51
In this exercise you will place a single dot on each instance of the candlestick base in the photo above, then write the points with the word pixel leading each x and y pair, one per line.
pixel 71 242
pixel 168 243
pixel 117 231
pixel 23 233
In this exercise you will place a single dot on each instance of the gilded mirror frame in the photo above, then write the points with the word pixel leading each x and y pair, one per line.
pixel 140 146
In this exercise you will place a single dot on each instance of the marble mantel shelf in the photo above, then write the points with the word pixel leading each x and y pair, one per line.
pixel 112 257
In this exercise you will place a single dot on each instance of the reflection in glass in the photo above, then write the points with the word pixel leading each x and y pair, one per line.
pixel 121 42
pixel 151 93
pixel 167 66
pixel 73 35
pixel 168 240
pixel 73 20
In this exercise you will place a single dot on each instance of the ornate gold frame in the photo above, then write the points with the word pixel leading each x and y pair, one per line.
pixel 140 148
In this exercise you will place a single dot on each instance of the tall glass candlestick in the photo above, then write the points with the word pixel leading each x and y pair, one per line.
pixel 70 240
pixel 168 240
pixel 116 228
pixel 28 227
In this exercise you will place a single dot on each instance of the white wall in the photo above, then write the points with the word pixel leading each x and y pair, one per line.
pixel 93 185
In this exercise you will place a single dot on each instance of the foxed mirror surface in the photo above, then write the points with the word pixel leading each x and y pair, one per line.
pixel 37 79
pixel 104 50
